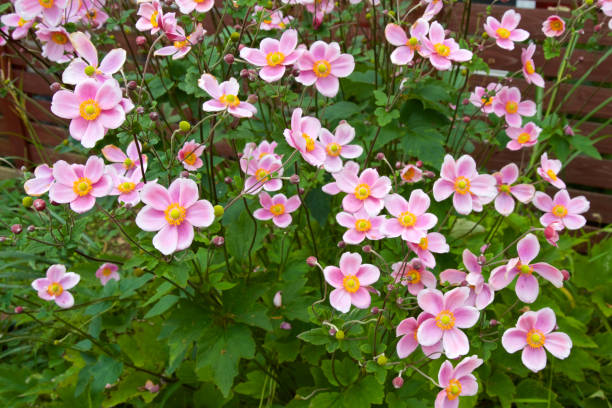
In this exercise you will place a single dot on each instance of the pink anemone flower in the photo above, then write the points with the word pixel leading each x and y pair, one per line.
pixel 264 174
pixel 125 163
pixel 366 191
pixel 432 242
pixel 225 97
pixel 51 11
pixel 440 51
pixel 55 286
pixel 93 109
pixel 106 272
pixel 337 146
pixel 407 330
pixel 411 221
pixel 470 190
pixel 126 187
pixel 41 183
pixel 304 137
pixel 525 136
pixel 80 185
pixel 508 104
pixel 150 14
pixel 506 33
pixel 92 12
pixel 86 66
pixel 457 382
pixel 481 293
pixel 548 170
pixel 322 65
pixel 173 212
pixel 201 6
pixel 360 226
pixel 406 47
pixel 527 286
pixel 483 98
pixel 277 208
pixel 534 334
pixel 504 203
pixel 432 9
pixel 411 174
pixel 553 26
pixel 181 43
pixel 21 26
pixel 56 43
pixel 529 73
pixel 351 282
pixel 189 155
pixel 273 55
pixel 413 275
pixel 450 314
pixel 253 151
pixel 350 169
pixel 319 9
pixel 562 209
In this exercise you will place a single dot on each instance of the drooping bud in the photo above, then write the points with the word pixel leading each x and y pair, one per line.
pixel 219 210
pixel 184 174
pixel 153 116
pixel 141 40
pixel 252 98
pixel 228 180
pixel 54 87
pixel 285 325
pixel 16 229
pixel 341 244
pixel 278 299
pixel 397 382
pixel 18 309
pixel 367 249
pixel 31 228
pixel 311 261
pixel 39 204
pixel 27 201
pixel 294 179
pixel 380 156
pixel 132 85
pixel 229 59
pixel 218 241
pixel 493 322
pixel 566 274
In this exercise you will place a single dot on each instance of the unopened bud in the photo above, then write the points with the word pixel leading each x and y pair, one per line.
pixel 244 73
pixel 565 274
pixel 301 190
pixel 153 116
pixel 493 322
pixel 54 87
pixel 235 36
pixel 398 165
pixel 294 179
pixel 399 301
pixel 141 40
pixel 219 210
pixel 184 126
pixel 466 119
pixel 375 310
pixel 382 360
pixel 140 110
pixel 340 335
pixel 482 260
pixel 397 382
pixel 16 229
pixel 311 261
pixel 285 326
pixel 417 264
pixel 229 59
pixel 484 248
pixel 295 72
pixel 228 180
pixel 465 101
pixel 218 240
pixel 419 163
pixel 380 156
pixel 18 309
pixel 132 85
pixel 429 174
pixel 278 299
pixel 184 174
pixel 27 201
pixel 341 244
pixel 31 228
pixel 252 98
pixel 241 46
pixel 367 249
pixel 2 239
pixel 332 332
pixel 39 204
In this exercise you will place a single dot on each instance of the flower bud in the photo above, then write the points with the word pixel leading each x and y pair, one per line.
pixel 397 382
pixel 27 201
pixel 2 239
pixel 141 40
pixel 54 87
pixel 294 179
pixel 184 126
pixel 235 36
pixel 228 180
pixel 417 264
pixel 285 325
pixel 465 101
pixel 375 310
pixel 39 204
pixel 31 228
pixel 367 249
pixel 301 190
pixel 244 73
pixel 311 261
pixel 399 301
pixel 18 309
pixel 340 335
pixel 278 299
pixel 398 165
pixel 140 110
pixel 482 260
pixel 419 163
pixel 241 46
pixel 218 241
pixel 16 229
pixel 219 210
pixel 382 360
pixel 341 244
pixel 252 98
pixel 153 115
pixel 184 174
pixel 565 274
pixel 332 332
pixel 596 28
pixel 493 322
pixel 568 130
pixel 229 59
pixel 466 119
pixel 429 174
pixel 132 85
pixel 295 72
pixel 484 248
pixel 551 234
pixel 380 156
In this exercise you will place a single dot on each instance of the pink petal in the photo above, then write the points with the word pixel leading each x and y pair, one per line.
pixel 361 298
pixel 466 317
pixel 395 34
pixel 65 104
pixel 406 345
pixel 558 344
pixel 184 192
pixel 69 280
pixel 455 298
pixel 184 236
pixel 514 340
pixel 528 248
pixel 340 300
pixel 350 263
pixel 334 276
pixel 156 196
pixel 65 300
pixel 527 288
pixel 549 272
pixel 113 61
pixel 455 343
pixel 367 274
pixel 545 320
pixel 166 240
pixel 462 203
pixel 431 301
pixel 446 374
pixel 200 214
pixel 429 333
pixel 534 358
pixel 150 219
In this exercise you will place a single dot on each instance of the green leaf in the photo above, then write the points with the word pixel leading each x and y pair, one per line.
pixel 340 110
pixel 318 336
pixel 384 117
pixel 381 97
pixel 585 145
pixel 551 48
pixel 500 385
pixel 319 205
pixel 345 370
pixel 242 236
pixel 163 305
pixel 106 371
pixel 364 393
pixel 326 400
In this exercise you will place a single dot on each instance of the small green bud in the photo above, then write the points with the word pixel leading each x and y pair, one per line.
pixel 27 201
pixel 218 211
pixel 235 36
pixel 65 142
pixel 485 35
pixel 340 334
pixel 368 15
pixel 382 360
pixel 184 126
pixel 588 2
pixel 391 13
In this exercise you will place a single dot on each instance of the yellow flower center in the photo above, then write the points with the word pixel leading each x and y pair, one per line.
pixel 529 67
pixel 511 107
pixel 175 214
pixel 409 174
pixel 262 174
pixel 333 149
pixel 90 70
pixel 445 320
pixel 423 243
pixel 551 174
pixel 413 276
pixel 59 38
pixel 453 390
pixel 535 338
pixel 559 211
pixel 310 144
pixel 46 3
pixel 556 25
pixel 322 68
pixel 181 44
pixel 21 22
pixel 89 109
pixel 407 219
pixel 504 188
pixel 275 58
pixel 503 33
pixel 106 271
pixel 351 283
pixel 363 225
pixel 128 163
pixel 230 100
pixel 523 138
pixel 154 19
pixel 413 43
pixel 462 185
pixel 525 269
pixel 190 158
pixel 82 186
pixel 362 191
pixel 55 289
pixel 486 100
pixel 126 186
pixel 442 50
pixel 277 209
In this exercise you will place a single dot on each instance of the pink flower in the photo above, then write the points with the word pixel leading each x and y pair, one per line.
pixel 181 44
pixel 272 19
pixel 562 209
pixel 273 55
pixel 548 170
pixel 414 278
pixel 432 9
pixel 303 136
pixel 504 203
pixel 527 286
pixel 55 286
pixel 150 14
pixel 360 226
pixel 481 293
pixel 225 97
pixel 277 208
pixel 553 26
pixel 442 52
pixel 407 329
pixel 86 66
pixel 350 169
pixel 92 12
pixel 366 191
pixel 411 220
pixel 173 212
pixel 470 190
pixel 529 73
pixel 257 152
pixel 126 187
pixel 21 26
pixel 534 333
pixel 106 272
pixel 201 6
pixel 457 382
pixel 337 146
pixel 508 104
pixel 124 163
pixel 505 33
pixel 93 109
pixel 319 9
pixel 41 183
pixel 351 282
pixel 450 314
pixel 483 98
pixel 264 174
pixel 551 234
pixel 80 185
pixel 322 65
pixel 432 242
pixel 56 43
pixel 411 174
pixel 51 11
pixel 406 47
pixel 525 136
pixel 190 154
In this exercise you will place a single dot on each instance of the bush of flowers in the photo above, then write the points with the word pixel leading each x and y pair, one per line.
pixel 289 204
